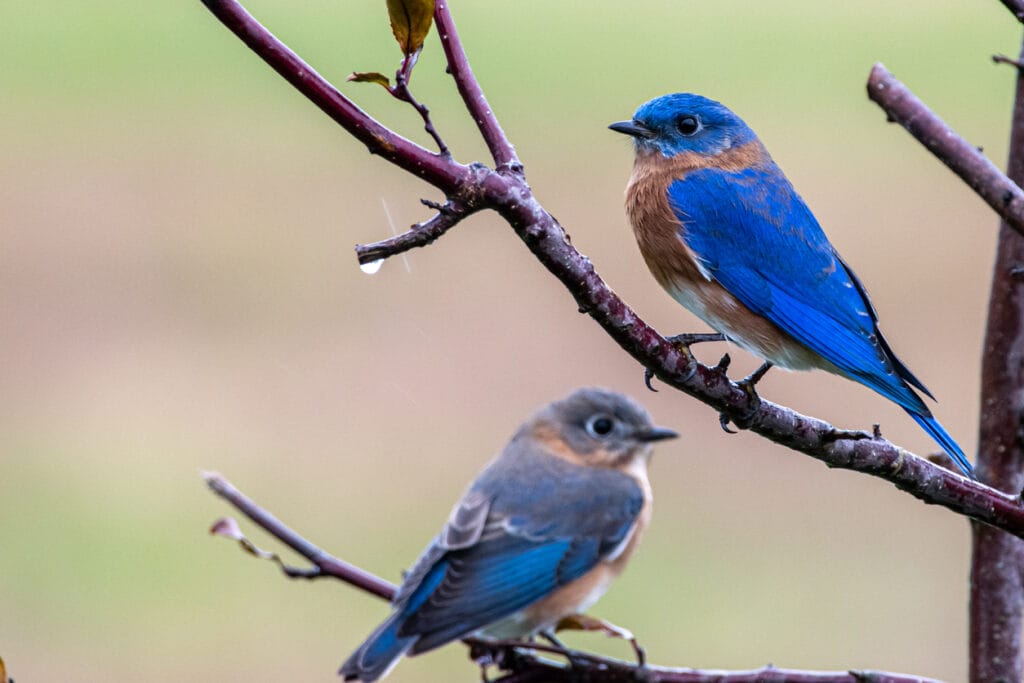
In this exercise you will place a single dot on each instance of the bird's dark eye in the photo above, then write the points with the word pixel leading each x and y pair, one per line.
pixel 688 125
pixel 600 426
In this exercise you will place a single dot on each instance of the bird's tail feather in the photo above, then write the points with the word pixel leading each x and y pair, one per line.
pixel 942 437
pixel 381 651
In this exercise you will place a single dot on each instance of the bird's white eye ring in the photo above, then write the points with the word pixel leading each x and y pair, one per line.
pixel 688 124
pixel 601 425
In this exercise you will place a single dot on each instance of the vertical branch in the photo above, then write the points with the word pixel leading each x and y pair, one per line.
pixel 997 561
pixel 458 65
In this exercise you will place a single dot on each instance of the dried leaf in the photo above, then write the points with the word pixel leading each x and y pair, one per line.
pixel 584 622
pixel 225 526
pixel 229 528
pixel 3 671
pixel 370 77
pixel 410 22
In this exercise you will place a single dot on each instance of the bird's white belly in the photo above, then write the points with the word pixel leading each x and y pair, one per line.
pixel 723 312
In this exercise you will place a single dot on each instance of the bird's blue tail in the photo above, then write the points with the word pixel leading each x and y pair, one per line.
pixel 942 437
pixel 379 653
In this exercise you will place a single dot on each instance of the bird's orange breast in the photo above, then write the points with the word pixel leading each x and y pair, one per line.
pixel 660 236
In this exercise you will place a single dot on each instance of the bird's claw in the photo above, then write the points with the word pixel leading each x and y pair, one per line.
pixel 683 343
pixel 559 645
pixel 748 384
pixel 648 376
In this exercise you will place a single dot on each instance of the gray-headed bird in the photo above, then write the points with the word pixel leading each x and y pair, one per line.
pixel 538 537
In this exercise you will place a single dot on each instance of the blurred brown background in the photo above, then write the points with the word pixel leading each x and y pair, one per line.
pixel 178 292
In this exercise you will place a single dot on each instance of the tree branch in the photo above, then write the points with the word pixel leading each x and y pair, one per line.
pixel 437 169
pixel 419 235
pixel 901 105
pixel 502 151
pixel 997 560
pixel 328 564
pixel 514 656
pixel 510 196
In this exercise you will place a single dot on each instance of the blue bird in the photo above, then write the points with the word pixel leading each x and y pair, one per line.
pixel 723 231
pixel 539 536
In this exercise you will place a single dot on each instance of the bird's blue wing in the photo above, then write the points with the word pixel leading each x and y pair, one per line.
pixel 757 238
pixel 531 545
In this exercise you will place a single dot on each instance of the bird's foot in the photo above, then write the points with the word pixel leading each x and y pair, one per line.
pixel 683 343
pixel 487 654
pixel 561 647
pixel 583 622
pixel 748 384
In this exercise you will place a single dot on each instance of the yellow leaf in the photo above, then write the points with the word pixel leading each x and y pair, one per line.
pixel 410 22
pixel 368 77
pixel 3 671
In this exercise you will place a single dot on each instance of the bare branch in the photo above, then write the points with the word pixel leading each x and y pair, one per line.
pixel 402 92
pixel 613 671
pixel 997 560
pixel 1003 59
pixel 964 159
pixel 419 235
pixel 502 151
pixel 508 654
pixel 437 169
pixel 326 563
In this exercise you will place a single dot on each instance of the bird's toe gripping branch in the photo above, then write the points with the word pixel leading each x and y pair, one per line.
pixel 748 384
pixel 683 342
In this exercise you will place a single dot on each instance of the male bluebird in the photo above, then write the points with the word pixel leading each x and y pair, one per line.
pixel 538 536
pixel 725 233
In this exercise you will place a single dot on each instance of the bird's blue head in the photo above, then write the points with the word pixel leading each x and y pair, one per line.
pixel 682 122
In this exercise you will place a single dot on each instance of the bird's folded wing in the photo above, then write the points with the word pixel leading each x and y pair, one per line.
pixel 522 554
pixel 758 239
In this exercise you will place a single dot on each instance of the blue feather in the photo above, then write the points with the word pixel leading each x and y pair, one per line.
pixel 753 234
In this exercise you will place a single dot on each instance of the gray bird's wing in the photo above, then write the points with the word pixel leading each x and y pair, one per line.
pixel 530 524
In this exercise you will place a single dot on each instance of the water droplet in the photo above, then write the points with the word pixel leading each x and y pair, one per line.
pixel 372 267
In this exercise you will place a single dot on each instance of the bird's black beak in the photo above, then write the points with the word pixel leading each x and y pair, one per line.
pixel 636 130
pixel 655 434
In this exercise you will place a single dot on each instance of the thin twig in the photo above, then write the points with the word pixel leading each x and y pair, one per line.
pixel 419 235
pixel 963 158
pixel 401 91
pixel 327 563
pixel 1003 59
pixel 525 668
pixel 436 169
pixel 502 151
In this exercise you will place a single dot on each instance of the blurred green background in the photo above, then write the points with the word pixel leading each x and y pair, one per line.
pixel 178 292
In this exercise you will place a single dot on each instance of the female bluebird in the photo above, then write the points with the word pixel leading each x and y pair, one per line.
pixel 538 536
pixel 725 233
